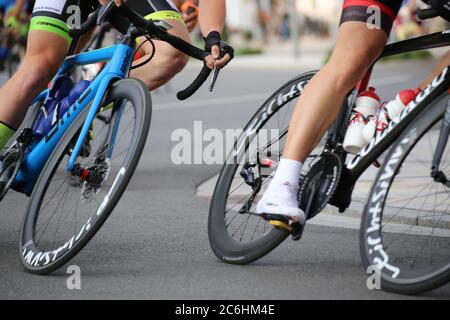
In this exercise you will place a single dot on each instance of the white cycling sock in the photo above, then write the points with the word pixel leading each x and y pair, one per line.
pixel 288 171
pixel 281 195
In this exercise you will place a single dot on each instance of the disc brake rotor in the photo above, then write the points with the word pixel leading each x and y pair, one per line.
pixel 89 190
pixel 319 184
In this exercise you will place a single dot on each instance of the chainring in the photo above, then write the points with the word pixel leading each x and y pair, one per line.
pixel 319 183
pixel 10 165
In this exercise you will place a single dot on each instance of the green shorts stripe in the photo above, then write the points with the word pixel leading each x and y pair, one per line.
pixel 51 25
pixel 164 15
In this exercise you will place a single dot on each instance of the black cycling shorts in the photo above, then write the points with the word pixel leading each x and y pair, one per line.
pixel 373 12
pixel 56 16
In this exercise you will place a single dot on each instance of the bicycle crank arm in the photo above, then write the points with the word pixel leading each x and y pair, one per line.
pixel 311 199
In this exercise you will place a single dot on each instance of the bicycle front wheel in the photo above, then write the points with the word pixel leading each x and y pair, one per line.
pixel 405 227
pixel 66 210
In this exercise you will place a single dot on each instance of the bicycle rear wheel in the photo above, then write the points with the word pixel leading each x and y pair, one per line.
pixel 65 211
pixel 405 227
pixel 235 234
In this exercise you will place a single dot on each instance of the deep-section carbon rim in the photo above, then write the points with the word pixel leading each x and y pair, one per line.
pixel 65 211
pixel 404 229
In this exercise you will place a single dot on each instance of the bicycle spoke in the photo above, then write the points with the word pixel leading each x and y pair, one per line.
pixel 62 211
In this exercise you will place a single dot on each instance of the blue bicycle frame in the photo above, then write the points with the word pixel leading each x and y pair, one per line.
pixel 120 58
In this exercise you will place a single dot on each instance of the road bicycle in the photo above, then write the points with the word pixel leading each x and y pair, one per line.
pixel 411 183
pixel 72 188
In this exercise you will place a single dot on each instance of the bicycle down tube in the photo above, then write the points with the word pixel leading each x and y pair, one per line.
pixel 119 57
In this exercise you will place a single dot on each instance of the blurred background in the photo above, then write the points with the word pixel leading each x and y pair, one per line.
pixel 290 27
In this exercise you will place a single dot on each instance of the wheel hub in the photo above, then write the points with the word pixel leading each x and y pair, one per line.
pixel 91 179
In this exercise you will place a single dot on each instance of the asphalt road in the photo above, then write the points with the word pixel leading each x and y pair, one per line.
pixel 155 243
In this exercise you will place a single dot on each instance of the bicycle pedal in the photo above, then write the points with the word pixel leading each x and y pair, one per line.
pixel 297 231
pixel 281 224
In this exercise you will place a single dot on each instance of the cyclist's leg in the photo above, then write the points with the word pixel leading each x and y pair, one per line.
pixel 356 49
pixel 45 53
pixel 167 61
pixel 47 46
pixel 317 108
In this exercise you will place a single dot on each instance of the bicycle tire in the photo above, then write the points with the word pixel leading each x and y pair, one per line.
pixel 224 247
pixel 371 228
pixel 130 89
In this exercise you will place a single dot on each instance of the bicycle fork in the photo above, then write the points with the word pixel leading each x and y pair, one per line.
pixel 436 173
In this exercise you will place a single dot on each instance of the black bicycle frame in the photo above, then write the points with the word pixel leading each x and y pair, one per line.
pixel 381 142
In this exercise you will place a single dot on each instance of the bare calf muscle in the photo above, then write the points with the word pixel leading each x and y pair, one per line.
pixel 45 53
pixel 349 62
